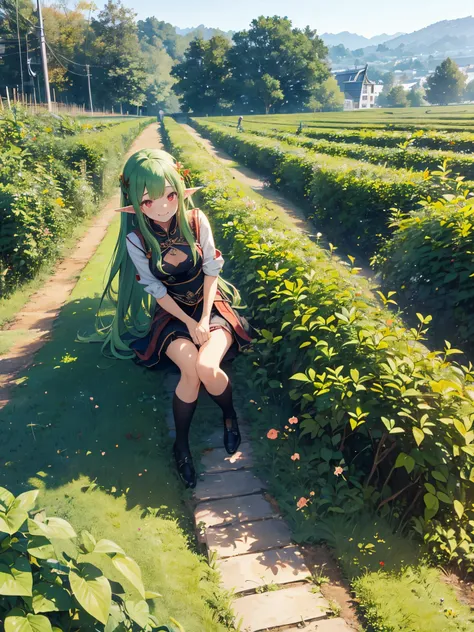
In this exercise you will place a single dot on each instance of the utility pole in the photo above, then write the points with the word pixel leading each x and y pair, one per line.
pixel 19 50
pixel 43 57
pixel 89 85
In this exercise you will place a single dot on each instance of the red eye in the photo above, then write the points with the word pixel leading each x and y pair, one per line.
pixel 172 196
pixel 147 203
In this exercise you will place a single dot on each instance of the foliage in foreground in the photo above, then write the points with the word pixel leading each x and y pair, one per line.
pixel 395 418
pixel 45 591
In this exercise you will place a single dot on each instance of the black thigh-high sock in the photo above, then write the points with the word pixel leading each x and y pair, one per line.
pixel 224 400
pixel 183 413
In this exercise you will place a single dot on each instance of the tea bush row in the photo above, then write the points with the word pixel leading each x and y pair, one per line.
pixel 395 157
pixel 52 175
pixel 371 399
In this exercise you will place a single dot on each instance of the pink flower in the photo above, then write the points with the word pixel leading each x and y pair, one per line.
pixel 302 502
pixel 293 420
pixel 272 434
pixel 338 471
pixel 295 457
pixel 311 493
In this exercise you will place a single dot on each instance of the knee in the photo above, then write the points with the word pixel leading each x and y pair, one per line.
pixel 189 370
pixel 205 371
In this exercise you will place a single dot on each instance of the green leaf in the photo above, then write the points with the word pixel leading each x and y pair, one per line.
pixel 56 528
pixel 459 508
pixel 12 521
pixel 301 377
pixel 27 500
pixel 92 590
pixel 406 461
pixel 430 488
pixel 107 546
pixel 6 499
pixel 16 579
pixel 40 547
pixel 27 623
pixel 50 598
pixel 149 594
pixel 444 498
pixel 418 434
pixel 432 506
pixel 138 611
pixel 131 571
pixel 438 476
pixel 88 541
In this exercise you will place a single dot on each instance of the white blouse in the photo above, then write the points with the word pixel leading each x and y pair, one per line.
pixel 212 264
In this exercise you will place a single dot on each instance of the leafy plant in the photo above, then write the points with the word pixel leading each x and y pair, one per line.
pixel 43 590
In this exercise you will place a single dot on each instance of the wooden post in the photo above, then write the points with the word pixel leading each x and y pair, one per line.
pixel 1 102
pixel 8 98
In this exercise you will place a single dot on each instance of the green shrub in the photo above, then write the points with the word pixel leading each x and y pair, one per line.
pixel 53 172
pixel 350 199
pixel 50 582
pixel 359 381
pixel 398 157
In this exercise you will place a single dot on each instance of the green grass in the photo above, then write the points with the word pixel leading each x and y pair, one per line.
pixel 79 419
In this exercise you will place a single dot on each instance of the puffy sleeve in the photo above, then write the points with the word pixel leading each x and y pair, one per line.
pixel 144 276
pixel 212 258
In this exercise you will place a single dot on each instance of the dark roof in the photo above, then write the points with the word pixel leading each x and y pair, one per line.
pixel 351 81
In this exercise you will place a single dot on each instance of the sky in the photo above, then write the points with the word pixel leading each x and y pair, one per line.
pixel 365 17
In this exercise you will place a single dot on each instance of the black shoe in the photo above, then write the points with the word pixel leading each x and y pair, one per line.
pixel 232 436
pixel 184 463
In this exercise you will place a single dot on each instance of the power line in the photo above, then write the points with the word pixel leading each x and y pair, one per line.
pixel 61 63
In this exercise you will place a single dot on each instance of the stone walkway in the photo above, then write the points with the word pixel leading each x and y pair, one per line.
pixel 250 543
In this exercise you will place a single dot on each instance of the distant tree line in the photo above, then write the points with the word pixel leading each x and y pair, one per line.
pixel 271 67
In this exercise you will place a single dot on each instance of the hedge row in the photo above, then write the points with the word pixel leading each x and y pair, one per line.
pixel 349 199
pixel 394 157
pixel 450 141
pixel 51 179
pixel 427 259
pixel 362 383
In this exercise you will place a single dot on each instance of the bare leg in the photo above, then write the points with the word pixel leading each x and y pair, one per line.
pixel 208 362
pixel 184 354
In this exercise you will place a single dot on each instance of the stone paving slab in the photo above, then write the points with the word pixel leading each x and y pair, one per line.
pixel 216 460
pixel 227 484
pixel 280 607
pixel 248 537
pixel 277 566
pixel 324 625
pixel 238 509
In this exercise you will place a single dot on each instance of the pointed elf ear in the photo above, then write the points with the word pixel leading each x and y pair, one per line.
pixel 189 192
pixel 125 209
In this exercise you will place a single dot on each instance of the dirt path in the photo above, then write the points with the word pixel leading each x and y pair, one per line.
pixel 35 321
pixel 289 212
pixel 292 211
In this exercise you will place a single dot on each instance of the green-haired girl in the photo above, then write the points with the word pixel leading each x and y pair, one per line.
pixel 170 303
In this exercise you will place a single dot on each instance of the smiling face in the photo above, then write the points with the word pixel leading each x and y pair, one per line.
pixel 161 209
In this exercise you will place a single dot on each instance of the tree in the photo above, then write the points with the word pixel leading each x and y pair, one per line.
pixel 269 90
pixel 447 83
pixel 123 78
pixel 469 93
pixel 327 97
pixel 296 58
pixel 397 97
pixel 336 53
pixel 416 97
pixel 202 77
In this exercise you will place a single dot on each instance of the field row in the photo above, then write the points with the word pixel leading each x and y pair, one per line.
pixel 409 157
pixel 423 249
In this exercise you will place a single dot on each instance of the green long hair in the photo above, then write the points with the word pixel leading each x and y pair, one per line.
pixel 151 170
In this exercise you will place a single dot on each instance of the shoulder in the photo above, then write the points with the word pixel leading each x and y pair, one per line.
pixel 133 237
